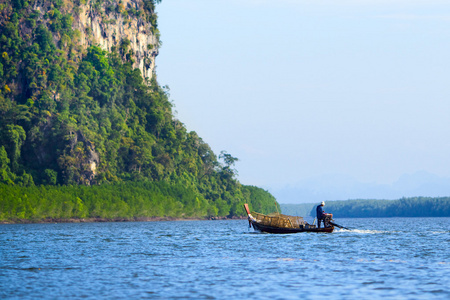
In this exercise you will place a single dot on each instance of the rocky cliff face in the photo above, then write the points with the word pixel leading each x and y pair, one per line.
pixel 112 27
pixel 128 25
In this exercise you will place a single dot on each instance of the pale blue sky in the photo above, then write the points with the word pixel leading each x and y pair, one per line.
pixel 303 90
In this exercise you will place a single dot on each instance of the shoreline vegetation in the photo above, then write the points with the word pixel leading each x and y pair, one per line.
pixel 369 208
pixel 105 220
pixel 127 201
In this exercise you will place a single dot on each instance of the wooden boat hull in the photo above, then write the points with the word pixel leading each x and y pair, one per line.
pixel 270 229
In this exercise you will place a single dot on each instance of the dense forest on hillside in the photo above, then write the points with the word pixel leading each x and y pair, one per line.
pixel 72 114
pixel 405 207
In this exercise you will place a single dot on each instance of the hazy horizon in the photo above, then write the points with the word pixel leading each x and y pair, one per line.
pixel 303 90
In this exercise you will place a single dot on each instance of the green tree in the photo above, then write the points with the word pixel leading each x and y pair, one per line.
pixel 5 174
pixel 227 171
pixel 16 136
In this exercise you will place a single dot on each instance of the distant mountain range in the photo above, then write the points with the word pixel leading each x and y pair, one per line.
pixel 341 187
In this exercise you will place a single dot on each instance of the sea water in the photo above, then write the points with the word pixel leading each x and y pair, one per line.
pixel 393 258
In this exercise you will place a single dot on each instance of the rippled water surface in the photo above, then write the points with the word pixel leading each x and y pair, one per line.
pixel 396 258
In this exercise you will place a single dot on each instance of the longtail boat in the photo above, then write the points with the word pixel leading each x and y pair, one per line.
pixel 279 223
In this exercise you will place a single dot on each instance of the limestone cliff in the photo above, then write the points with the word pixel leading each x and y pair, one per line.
pixel 124 24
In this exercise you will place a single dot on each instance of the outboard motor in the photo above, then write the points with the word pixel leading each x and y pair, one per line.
pixel 328 220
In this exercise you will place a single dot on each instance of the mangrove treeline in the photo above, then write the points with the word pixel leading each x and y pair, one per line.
pixel 120 201
pixel 404 207
pixel 73 115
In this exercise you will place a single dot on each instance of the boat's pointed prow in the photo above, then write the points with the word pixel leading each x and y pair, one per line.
pixel 249 215
pixel 246 208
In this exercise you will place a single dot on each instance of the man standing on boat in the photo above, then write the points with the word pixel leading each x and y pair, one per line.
pixel 320 214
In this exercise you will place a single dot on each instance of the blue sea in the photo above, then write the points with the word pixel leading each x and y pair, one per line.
pixel 392 258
